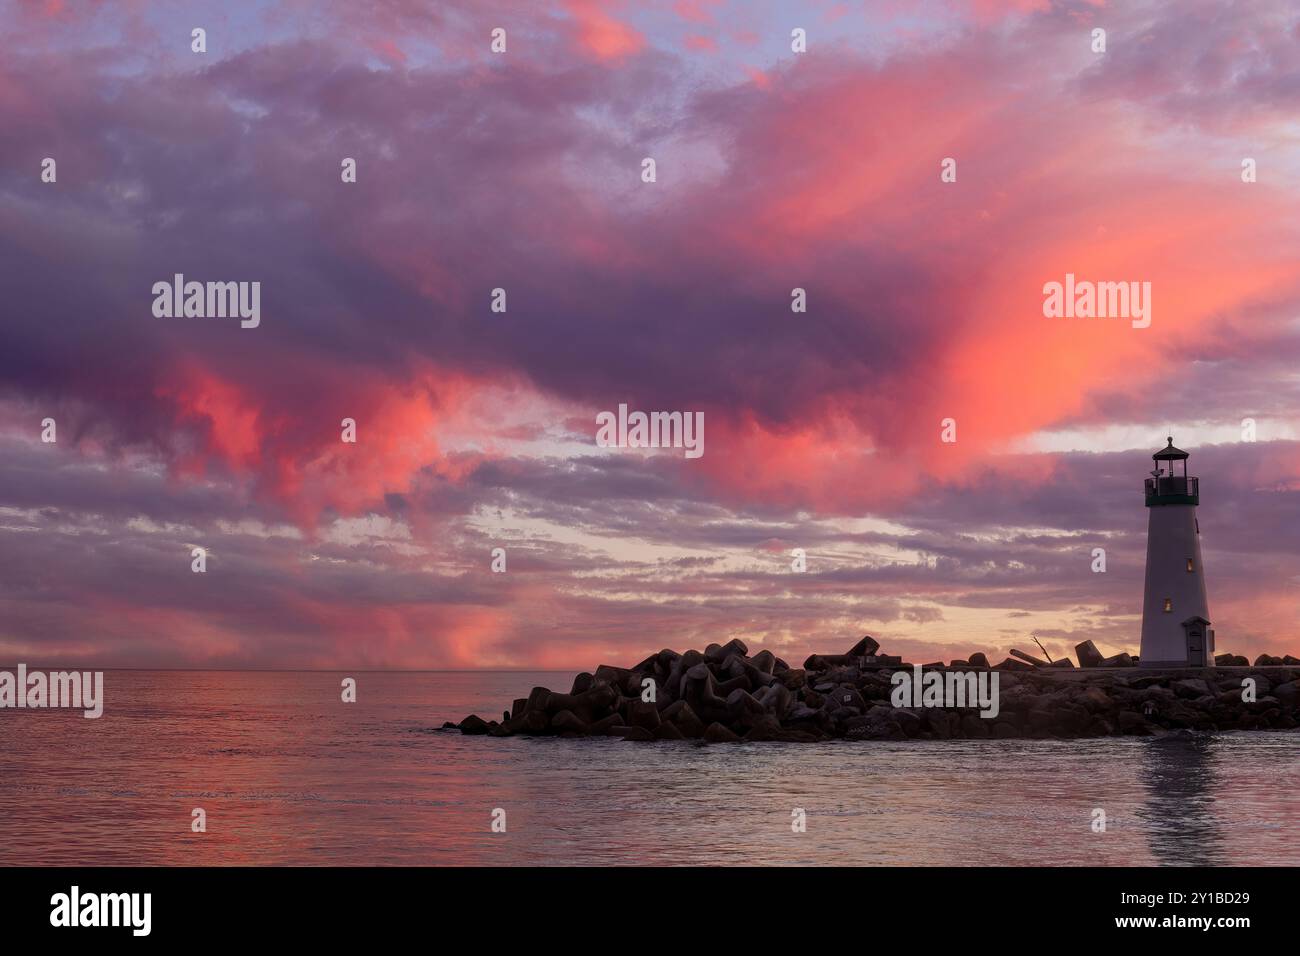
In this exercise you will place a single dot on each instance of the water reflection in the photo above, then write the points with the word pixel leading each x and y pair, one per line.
pixel 1179 774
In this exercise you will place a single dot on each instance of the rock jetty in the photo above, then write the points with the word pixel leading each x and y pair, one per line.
pixel 722 695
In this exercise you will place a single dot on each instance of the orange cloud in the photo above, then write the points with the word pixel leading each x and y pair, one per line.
pixel 303 462
pixel 695 11
pixel 600 33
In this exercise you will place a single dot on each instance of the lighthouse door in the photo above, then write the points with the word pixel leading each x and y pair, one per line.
pixel 1195 645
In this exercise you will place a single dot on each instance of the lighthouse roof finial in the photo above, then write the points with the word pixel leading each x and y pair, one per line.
pixel 1170 453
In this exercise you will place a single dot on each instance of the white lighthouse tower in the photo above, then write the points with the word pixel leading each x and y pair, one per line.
pixel 1175 613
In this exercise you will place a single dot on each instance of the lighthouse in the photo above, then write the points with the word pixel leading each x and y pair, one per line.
pixel 1175 613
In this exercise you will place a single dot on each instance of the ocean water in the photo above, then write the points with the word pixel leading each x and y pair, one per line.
pixel 288 774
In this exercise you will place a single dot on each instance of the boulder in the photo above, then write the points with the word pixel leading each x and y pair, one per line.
pixel 647 666
pixel 725 687
pixel 846 696
pixel 702 690
pixel 744 707
pixel 820 662
pixel 717 733
pixel 565 720
pixel 792 677
pixel 1041 716
pixel 738 666
pixel 775 698
pixel 685 719
pixel 1095 699
pixel 642 713
pixel 765 727
pixel 975 726
pixel 842 675
pixel 979 660
pixel 800 712
pixel 473 725
pixel 612 675
pixel 605 725
pixel 1131 723
pixel 1287 693
pixel 592 703
pixel 677 673
pixel 881 723
pixel 537 699
pixel 1100 727
pixel 909 722
pixel 866 647
pixel 1070 718
pixel 1191 688
pixel 875 687
pixel 667 731
pixel 735 646
pixel 1119 660
pixel 667 658
pixel 1088 654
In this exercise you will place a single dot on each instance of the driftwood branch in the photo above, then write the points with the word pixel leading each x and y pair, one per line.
pixel 1027 658
pixel 1044 650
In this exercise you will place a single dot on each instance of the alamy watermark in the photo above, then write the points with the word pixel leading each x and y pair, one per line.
pixel 36 689
pixel 208 300
pixel 76 908
pixel 933 688
pixel 1101 300
pixel 652 430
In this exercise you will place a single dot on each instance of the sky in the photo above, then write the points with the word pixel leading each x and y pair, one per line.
pixel 476 429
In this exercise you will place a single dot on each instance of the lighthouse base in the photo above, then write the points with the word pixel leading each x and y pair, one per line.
pixel 1175 613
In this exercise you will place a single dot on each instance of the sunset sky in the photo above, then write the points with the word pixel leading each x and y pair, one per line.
pixel 476 429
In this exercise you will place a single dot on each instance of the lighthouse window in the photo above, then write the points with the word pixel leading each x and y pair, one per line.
pixel 1190 566
pixel 1169 605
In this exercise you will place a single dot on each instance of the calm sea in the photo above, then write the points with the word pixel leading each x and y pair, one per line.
pixel 288 774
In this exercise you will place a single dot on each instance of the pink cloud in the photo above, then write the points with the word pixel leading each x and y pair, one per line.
pixel 700 44
pixel 601 33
